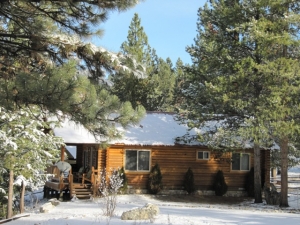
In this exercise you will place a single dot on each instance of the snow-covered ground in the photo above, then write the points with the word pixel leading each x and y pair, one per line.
pixel 87 212
pixel 90 212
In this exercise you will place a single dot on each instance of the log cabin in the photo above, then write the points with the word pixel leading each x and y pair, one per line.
pixel 155 140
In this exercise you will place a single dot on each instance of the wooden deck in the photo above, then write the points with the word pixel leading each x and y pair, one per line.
pixel 56 185
pixel 67 191
pixel 59 186
pixel 66 188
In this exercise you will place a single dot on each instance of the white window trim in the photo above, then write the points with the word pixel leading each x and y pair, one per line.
pixel 138 150
pixel 249 161
pixel 203 155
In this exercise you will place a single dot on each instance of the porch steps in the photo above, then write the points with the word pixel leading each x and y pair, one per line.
pixel 82 191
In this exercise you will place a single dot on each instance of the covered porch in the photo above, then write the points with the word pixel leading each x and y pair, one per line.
pixel 65 186
pixel 83 153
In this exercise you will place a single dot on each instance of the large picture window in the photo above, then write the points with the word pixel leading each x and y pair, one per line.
pixel 240 161
pixel 137 160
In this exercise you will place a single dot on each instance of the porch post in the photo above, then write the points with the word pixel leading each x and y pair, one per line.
pixel 62 153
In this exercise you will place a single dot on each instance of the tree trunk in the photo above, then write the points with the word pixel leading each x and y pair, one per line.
pixel 257 175
pixel 284 166
pixel 10 194
pixel 22 193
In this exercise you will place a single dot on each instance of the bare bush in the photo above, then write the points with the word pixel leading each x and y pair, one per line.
pixel 109 187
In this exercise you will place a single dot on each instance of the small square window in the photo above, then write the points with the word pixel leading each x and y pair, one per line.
pixel 203 155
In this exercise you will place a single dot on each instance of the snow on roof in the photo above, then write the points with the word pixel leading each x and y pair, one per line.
pixel 74 133
pixel 156 128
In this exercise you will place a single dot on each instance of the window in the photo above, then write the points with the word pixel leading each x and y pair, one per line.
pixel 137 160
pixel 203 155
pixel 90 156
pixel 71 151
pixel 240 161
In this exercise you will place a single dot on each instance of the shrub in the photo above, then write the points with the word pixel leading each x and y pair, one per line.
pixel 122 175
pixel 220 186
pixel 109 189
pixel 189 183
pixel 155 180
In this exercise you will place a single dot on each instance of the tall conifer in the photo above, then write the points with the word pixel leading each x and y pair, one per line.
pixel 244 75
pixel 46 61
pixel 155 90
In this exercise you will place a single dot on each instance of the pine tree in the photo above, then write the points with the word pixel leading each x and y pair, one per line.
pixel 45 62
pixel 181 75
pixel 293 156
pixel 24 147
pixel 244 75
pixel 155 90
pixel 137 42
pixel 160 93
pixel 36 33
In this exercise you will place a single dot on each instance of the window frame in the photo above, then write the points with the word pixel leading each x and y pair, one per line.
pixel 137 162
pixel 197 154
pixel 240 158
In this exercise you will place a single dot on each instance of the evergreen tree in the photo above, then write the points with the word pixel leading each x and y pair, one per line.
pixel 293 156
pixel 244 75
pixel 36 33
pixel 160 93
pixel 25 147
pixel 220 186
pixel 154 90
pixel 179 85
pixel 137 42
pixel 154 184
pixel 127 86
pixel 45 62
pixel 189 182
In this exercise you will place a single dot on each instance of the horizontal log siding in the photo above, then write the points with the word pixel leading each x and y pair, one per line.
pixel 101 160
pixel 137 180
pixel 114 158
pixel 174 161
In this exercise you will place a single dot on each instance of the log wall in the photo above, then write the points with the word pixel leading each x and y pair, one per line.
pixel 101 159
pixel 174 161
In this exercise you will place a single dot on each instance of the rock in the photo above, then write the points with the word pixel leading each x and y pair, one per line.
pixel 146 212
pixel 54 201
pixel 46 207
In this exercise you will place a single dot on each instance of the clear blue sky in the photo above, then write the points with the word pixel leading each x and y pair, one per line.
pixel 169 24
